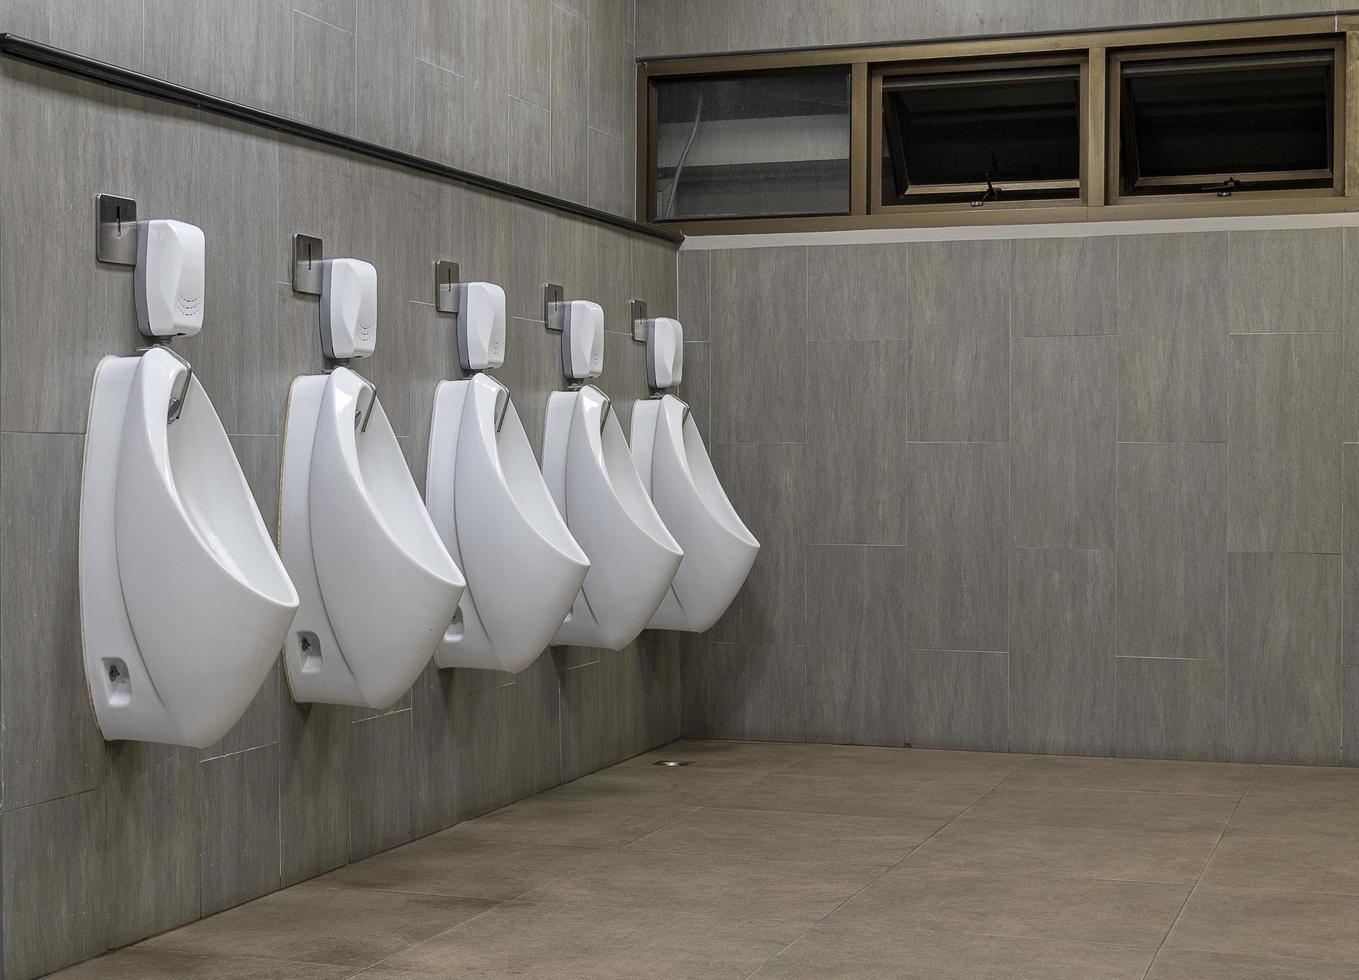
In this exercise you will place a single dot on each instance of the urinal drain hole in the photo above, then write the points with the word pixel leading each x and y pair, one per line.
pixel 310 647
pixel 119 683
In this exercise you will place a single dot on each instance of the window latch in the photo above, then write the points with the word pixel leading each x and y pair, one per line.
pixel 992 193
pixel 1225 188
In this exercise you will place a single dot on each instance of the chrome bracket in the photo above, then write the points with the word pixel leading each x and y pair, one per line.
pixel 554 307
pixel 608 402
pixel 116 226
pixel 502 401
pixel 447 276
pixel 684 417
pixel 181 392
pixel 638 308
pixel 362 415
pixel 307 255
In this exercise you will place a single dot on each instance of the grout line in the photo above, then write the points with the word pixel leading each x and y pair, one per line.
pixel 321 20
pixel 1188 660
pixel 236 752
pixel 1008 532
pixel 367 889
pixel 1194 887
pixel 428 939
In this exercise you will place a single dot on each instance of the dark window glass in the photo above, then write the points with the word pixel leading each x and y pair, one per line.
pixel 1261 120
pixel 773 143
pixel 947 135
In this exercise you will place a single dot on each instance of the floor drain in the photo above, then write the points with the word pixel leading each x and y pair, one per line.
pixel 672 762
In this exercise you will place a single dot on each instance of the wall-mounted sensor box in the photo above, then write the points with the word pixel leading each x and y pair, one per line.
pixel 481 326
pixel 582 340
pixel 348 308
pixel 170 278
pixel 664 352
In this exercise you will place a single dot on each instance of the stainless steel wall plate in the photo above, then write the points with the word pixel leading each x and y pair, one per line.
pixel 307 255
pixel 638 308
pixel 554 306
pixel 447 277
pixel 116 239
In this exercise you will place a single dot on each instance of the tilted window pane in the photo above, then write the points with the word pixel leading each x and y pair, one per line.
pixel 773 143
pixel 1262 120
pixel 946 135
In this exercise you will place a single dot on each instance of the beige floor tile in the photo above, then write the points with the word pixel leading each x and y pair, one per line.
pixel 1284 865
pixel 318 924
pixel 937 763
pixel 705 754
pixel 141 963
pixel 1060 806
pixel 1295 819
pixel 909 953
pixel 578 823
pixel 871 862
pixel 1264 923
pixel 777 835
pixel 863 794
pixel 1090 910
pixel 800 891
pixel 467 865
pixel 1136 775
pixel 1307 782
pixel 687 786
pixel 565 942
pixel 1130 855
pixel 1190 964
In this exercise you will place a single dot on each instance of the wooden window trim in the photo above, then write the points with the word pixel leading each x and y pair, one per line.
pixel 646 152
pixel 1099 53
pixel 882 74
pixel 1114 120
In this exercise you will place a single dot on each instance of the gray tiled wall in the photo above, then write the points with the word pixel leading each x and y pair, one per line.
pixel 104 844
pixel 534 92
pixel 1049 495
pixel 675 27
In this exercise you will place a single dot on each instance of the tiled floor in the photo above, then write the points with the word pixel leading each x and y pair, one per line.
pixel 772 860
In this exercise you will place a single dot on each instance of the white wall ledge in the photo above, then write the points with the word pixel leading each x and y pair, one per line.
pixel 1084 229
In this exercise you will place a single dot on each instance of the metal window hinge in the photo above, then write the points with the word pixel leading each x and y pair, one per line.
pixel 992 193
pixel 1225 188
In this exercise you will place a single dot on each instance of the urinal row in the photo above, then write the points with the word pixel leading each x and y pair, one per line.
pixel 185 602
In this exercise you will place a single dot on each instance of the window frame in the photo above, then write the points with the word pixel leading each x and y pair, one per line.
pixel 878 116
pixel 1116 121
pixel 651 145
pixel 1099 200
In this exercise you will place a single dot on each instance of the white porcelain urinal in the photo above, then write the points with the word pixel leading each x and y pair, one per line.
pixel 184 603
pixel 494 513
pixel 377 586
pixel 718 548
pixel 595 484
